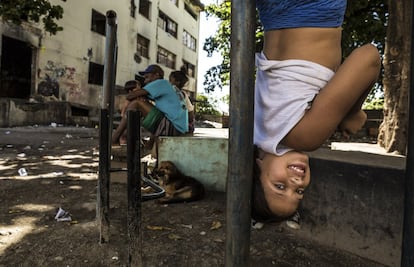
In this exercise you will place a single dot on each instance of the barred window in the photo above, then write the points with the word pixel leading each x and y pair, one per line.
pixel 189 41
pixel 167 24
pixel 190 68
pixel 166 58
pixel 143 46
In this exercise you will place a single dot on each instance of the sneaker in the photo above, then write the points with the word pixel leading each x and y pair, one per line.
pixel 294 221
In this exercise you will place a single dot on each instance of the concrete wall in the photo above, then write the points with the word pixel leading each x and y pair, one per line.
pixel 356 206
pixel 203 158
pixel 17 112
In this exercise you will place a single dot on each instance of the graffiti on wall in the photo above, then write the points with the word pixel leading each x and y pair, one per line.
pixel 59 81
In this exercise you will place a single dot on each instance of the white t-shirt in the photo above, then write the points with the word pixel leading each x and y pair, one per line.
pixel 284 90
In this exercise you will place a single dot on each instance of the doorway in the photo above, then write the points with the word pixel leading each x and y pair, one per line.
pixel 15 68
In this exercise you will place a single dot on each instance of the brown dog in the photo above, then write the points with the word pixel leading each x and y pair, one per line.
pixel 178 187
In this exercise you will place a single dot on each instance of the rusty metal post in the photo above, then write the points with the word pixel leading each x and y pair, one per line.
pixel 105 127
pixel 407 258
pixel 240 160
pixel 134 189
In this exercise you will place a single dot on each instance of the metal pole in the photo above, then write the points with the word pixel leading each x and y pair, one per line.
pixel 240 161
pixel 105 126
pixel 407 258
pixel 134 189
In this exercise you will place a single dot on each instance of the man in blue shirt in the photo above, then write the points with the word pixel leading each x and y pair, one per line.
pixel 163 110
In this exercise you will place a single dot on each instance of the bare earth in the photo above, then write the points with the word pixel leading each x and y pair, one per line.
pixel 61 165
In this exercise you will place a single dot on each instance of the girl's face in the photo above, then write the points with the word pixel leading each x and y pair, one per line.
pixel 284 180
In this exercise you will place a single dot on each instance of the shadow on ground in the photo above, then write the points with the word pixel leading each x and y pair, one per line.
pixel 62 172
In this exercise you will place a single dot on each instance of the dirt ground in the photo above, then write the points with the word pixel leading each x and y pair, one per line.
pixel 61 165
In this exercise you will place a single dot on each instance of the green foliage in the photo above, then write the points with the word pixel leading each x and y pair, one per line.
pixel 225 99
pixel 219 76
pixel 375 103
pixel 365 22
pixel 17 11
pixel 375 100
pixel 204 106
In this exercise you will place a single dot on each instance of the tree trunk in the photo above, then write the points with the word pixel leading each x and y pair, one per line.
pixel 393 131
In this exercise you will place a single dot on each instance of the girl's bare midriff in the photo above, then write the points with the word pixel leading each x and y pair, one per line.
pixel 319 45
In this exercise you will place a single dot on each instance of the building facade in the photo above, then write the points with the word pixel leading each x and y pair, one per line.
pixel 68 67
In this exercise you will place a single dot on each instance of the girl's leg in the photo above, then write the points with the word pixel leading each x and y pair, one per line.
pixel 340 99
pixel 139 104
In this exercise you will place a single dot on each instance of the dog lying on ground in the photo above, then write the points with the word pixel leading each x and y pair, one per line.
pixel 178 186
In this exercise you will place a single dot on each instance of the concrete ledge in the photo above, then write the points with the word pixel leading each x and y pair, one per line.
pixel 204 158
pixel 356 207
pixel 20 112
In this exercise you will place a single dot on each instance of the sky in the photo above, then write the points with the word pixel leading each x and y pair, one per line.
pixel 208 27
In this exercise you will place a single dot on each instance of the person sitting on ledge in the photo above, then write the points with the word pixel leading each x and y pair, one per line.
pixel 168 116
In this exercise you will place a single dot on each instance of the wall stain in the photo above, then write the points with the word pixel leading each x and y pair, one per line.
pixel 59 81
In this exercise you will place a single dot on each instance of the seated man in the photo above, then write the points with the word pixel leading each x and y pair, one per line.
pixel 168 115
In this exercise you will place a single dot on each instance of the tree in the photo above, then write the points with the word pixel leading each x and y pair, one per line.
pixel 393 131
pixel 365 22
pixel 17 11
pixel 204 107
pixel 218 76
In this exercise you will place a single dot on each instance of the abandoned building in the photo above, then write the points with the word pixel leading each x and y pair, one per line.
pixel 58 78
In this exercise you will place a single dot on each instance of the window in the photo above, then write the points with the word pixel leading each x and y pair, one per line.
pixel 190 11
pixel 98 22
pixel 133 8
pixel 142 46
pixel 144 8
pixel 166 58
pixel 190 68
pixel 95 73
pixel 189 41
pixel 167 24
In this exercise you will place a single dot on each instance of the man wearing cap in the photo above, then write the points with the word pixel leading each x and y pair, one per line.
pixel 167 117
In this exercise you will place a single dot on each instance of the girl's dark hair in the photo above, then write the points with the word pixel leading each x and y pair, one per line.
pixel 260 209
pixel 180 77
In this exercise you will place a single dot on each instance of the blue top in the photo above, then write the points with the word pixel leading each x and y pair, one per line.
pixel 169 102
pixel 283 14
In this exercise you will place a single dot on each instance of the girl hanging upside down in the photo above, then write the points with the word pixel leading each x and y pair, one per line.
pixel 303 94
